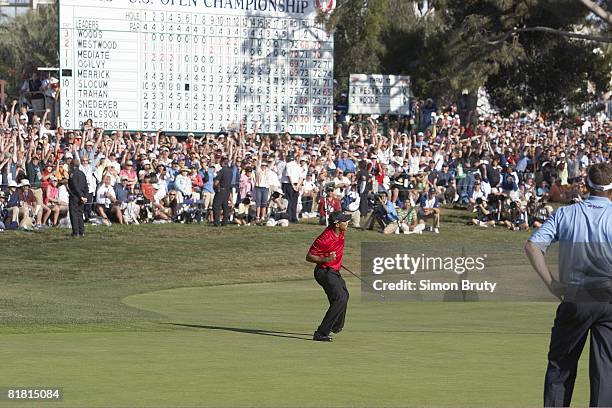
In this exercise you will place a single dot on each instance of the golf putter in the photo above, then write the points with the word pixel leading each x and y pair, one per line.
pixel 359 277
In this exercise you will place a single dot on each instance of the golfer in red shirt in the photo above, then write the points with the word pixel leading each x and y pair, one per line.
pixel 326 251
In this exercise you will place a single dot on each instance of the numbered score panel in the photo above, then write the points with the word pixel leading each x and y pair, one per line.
pixel 196 65
pixel 379 94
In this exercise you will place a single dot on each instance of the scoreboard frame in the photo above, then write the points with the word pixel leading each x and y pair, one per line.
pixel 322 45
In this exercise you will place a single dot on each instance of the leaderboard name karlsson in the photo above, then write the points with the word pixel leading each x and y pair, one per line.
pixel 406 285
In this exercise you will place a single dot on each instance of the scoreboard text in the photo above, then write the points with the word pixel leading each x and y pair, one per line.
pixel 379 94
pixel 195 65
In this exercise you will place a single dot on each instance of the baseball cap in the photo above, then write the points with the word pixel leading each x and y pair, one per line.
pixel 12 183
pixel 338 216
pixel 23 117
pixel 432 190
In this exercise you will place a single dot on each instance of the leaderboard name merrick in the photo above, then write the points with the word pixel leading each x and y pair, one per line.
pixel 427 285
pixel 283 6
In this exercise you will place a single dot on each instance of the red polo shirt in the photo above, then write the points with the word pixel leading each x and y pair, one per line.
pixel 328 242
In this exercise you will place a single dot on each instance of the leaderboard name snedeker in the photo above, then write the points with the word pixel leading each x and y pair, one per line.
pixel 584 233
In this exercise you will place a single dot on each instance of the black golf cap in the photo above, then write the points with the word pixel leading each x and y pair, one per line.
pixel 337 217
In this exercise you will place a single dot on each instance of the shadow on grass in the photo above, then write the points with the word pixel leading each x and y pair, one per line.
pixel 259 332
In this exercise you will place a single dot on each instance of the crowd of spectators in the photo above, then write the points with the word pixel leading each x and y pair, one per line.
pixel 392 173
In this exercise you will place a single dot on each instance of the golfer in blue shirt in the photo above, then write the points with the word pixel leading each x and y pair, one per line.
pixel 584 233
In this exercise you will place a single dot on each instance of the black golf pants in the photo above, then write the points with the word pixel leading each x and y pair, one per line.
pixel 292 197
pixel 220 203
pixel 75 211
pixel 338 296
pixel 569 333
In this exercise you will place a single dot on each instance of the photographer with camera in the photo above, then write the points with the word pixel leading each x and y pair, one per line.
pixel 170 206
pixel 278 210
pixel 486 211
pixel 350 204
pixel 538 211
pixel 242 215
pixel 384 214
pixel 477 193
pixel 401 184
pixel 515 217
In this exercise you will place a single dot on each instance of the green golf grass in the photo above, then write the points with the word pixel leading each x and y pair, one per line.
pixel 186 315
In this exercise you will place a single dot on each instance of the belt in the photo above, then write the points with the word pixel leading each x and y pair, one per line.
pixel 328 269
pixel 596 292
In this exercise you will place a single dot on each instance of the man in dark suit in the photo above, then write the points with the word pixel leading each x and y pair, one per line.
pixel 78 189
pixel 222 185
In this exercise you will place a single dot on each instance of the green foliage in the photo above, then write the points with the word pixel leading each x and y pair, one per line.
pixel 555 75
pixel 27 42
pixel 462 44
pixel 358 31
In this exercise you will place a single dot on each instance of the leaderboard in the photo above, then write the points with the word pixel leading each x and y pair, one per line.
pixel 379 94
pixel 196 65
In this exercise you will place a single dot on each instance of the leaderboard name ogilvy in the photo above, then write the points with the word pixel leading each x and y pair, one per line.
pixel 282 6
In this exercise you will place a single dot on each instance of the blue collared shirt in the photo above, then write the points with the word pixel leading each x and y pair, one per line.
pixel 208 186
pixel 346 165
pixel 584 233
pixel 391 212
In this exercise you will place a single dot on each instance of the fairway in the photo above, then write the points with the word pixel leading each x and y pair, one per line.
pixel 177 316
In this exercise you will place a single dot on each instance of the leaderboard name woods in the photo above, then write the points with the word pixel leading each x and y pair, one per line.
pixel 584 233
pixel 326 252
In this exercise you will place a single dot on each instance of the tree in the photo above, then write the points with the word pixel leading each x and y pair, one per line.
pixel 357 38
pixel 557 69
pixel 550 79
pixel 26 42
pixel 459 44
